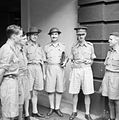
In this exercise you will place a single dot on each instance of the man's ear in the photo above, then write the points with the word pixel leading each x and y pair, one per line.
pixel 85 33
pixel 12 36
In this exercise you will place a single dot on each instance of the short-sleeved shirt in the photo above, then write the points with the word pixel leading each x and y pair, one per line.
pixel 35 53
pixel 9 87
pixel 9 59
pixel 22 59
pixel 55 74
pixel 80 53
pixel 112 60
pixel 23 81
pixel 53 52
pixel 35 56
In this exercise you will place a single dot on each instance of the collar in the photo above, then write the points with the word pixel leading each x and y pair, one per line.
pixel 114 50
pixel 11 44
pixel 20 48
pixel 117 49
pixel 32 43
pixel 83 44
pixel 54 44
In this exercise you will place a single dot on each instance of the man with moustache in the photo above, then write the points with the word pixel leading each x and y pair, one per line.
pixel 54 71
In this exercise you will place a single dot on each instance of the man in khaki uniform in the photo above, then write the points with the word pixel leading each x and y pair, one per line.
pixel 9 68
pixel 82 55
pixel 54 71
pixel 35 58
pixel 110 83
pixel 23 82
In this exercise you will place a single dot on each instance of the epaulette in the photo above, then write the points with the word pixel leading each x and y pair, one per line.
pixel 90 43
pixel 74 44
pixel 61 43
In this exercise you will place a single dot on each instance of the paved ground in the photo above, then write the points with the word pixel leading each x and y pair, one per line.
pixel 45 110
pixel 80 115
pixel 54 116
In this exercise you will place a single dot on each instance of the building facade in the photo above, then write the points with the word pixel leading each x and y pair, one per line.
pixel 100 16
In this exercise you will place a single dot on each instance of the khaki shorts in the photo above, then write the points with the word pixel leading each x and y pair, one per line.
pixel 54 78
pixel 110 85
pixel 35 76
pixel 81 78
pixel 9 97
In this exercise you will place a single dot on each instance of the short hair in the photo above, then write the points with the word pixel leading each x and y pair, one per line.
pixel 12 29
pixel 115 34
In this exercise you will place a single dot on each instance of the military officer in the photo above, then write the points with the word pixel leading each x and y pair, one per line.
pixel 81 77
pixel 9 69
pixel 54 71
pixel 23 82
pixel 110 83
pixel 35 58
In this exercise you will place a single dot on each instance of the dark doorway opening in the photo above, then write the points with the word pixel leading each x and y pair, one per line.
pixel 10 13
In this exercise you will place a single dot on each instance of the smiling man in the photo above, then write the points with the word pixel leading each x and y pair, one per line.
pixel 54 71
pixel 35 58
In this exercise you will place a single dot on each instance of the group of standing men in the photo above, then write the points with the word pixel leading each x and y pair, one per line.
pixel 24 66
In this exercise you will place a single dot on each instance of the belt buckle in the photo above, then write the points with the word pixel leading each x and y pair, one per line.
pixel 12 76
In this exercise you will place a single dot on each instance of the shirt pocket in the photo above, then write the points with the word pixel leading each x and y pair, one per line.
pixel 115 61
pixel 30 54
pixel 60 50
pixel 14 64
pixel 87 54
pixel 76 55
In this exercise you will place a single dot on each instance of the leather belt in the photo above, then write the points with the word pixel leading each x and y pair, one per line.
pixel 34 63
pixel 53 63
pixel 11 76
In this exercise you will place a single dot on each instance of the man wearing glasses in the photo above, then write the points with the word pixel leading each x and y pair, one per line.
pixel 81 77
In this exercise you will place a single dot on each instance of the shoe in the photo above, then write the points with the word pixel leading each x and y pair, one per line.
pixel 59 112
pixel 38 115
pixel 73 115
pixel 16 118
pixel 27 117
pixel 88 117
pixel 50 112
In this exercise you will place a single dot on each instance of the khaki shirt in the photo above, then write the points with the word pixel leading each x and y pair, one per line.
pixel 82 53
pixel 9 59
pixel 112 60
pixel 22 60
pixel 53 52
pixel 34 53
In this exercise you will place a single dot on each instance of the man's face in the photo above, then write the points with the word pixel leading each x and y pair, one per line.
pixel 54 36
pixel 81 34
pixel 113 40
pixel 18 37
pixel 23 41
pixel 34 37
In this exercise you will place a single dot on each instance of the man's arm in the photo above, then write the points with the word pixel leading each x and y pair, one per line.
pixel 2 71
